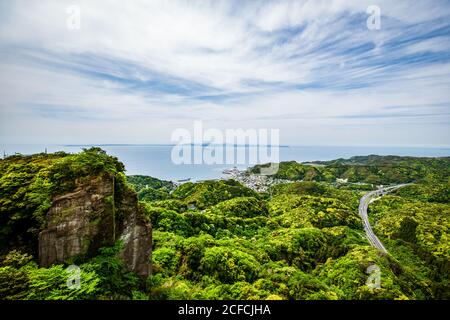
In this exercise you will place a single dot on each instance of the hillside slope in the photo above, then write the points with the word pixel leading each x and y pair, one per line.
pixel 62 209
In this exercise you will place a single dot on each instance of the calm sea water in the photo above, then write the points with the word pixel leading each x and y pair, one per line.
pixel 155 160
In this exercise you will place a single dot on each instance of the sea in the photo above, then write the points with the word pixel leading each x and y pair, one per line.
pixel 157 160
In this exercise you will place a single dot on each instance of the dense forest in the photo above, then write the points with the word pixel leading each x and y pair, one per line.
pixel 367 169
pixel 301 239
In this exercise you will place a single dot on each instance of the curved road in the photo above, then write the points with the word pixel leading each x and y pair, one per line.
pixel 363 206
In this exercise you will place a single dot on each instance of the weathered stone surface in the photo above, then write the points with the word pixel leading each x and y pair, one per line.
pixel 80 222
pixel 137 238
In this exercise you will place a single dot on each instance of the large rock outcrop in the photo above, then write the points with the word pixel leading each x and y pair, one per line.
pixel 94 215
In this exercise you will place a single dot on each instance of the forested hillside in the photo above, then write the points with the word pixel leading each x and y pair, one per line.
pixel 304 242
pixel 222 240
pixel 368 169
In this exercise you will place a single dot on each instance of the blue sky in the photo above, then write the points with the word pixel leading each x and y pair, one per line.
pixel 137 70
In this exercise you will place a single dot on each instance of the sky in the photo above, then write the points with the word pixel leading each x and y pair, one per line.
pixel 135 71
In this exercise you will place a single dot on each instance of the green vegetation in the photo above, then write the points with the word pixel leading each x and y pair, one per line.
pixel 222 240
pixel 208 193
pixel 102 277
pixel 417 232
pixel 27 186
pixel 371 169
pixel 149 188
pixel 28 183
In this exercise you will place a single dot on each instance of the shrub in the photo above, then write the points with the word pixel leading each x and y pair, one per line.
pixel 229 265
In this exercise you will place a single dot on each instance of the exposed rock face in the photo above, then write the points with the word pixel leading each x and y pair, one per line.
pixel 136 235
pixel 80 222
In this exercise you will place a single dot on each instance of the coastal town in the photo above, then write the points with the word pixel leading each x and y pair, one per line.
pixel 256 182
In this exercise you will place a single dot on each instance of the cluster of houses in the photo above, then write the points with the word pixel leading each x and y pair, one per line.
pixel 256 182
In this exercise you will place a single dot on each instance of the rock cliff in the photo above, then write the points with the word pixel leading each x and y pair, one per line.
pixel 96 215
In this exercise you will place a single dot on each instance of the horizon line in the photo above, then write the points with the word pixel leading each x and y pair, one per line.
pixel 246 145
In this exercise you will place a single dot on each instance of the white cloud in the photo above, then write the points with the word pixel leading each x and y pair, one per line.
pixel 137 70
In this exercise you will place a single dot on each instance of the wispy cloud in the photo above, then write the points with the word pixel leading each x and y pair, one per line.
pixel 137 70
